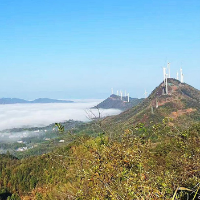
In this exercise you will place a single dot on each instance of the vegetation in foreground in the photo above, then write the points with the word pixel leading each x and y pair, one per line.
pixel 160 162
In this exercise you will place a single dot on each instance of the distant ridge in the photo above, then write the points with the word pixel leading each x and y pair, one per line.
pixel 181 106
pixel 46 100
pixel 115 102
pixel 40 100
pixel 12 101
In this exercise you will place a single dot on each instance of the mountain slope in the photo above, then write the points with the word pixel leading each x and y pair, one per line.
pixel 114 101
pixel 181 105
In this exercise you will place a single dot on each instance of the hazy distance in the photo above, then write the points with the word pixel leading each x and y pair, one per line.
pixel 33 115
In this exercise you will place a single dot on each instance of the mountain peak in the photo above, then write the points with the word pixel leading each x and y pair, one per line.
pixel 176 90
pixel 118 102
pixel 181 104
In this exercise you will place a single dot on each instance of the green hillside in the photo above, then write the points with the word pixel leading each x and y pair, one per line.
pixel 181 106
pixel 130 166
pixel 149 152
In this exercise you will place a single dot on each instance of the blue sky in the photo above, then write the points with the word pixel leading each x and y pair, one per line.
pixel 82 48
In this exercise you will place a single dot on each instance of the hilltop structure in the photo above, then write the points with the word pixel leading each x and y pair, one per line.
pixel 125 98
pixel 172 99
pixel 119 102
pixel 166 76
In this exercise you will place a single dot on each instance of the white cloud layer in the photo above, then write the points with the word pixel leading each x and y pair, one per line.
pixel 32 115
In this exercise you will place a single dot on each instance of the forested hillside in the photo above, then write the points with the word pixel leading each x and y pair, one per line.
pixel 181 105
pixel 150 152
pixel 158 162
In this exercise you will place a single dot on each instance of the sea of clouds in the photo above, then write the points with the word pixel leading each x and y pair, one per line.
pixel 39 115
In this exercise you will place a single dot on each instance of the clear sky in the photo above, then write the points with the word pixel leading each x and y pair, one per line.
pixel 83 48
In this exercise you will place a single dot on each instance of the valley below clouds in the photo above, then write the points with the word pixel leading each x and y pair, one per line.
pixel 39 115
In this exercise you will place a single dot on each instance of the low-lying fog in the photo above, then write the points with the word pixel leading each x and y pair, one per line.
pixel 32 115
pixel 15 136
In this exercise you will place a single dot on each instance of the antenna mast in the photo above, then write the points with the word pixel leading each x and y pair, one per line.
pixel 128 97
pixel 121 94
pixel 168 66
pixel 145 94
pixel 156 103
pixel 181 75
pixel 166 84
pixel 177 76
pixel 164 73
